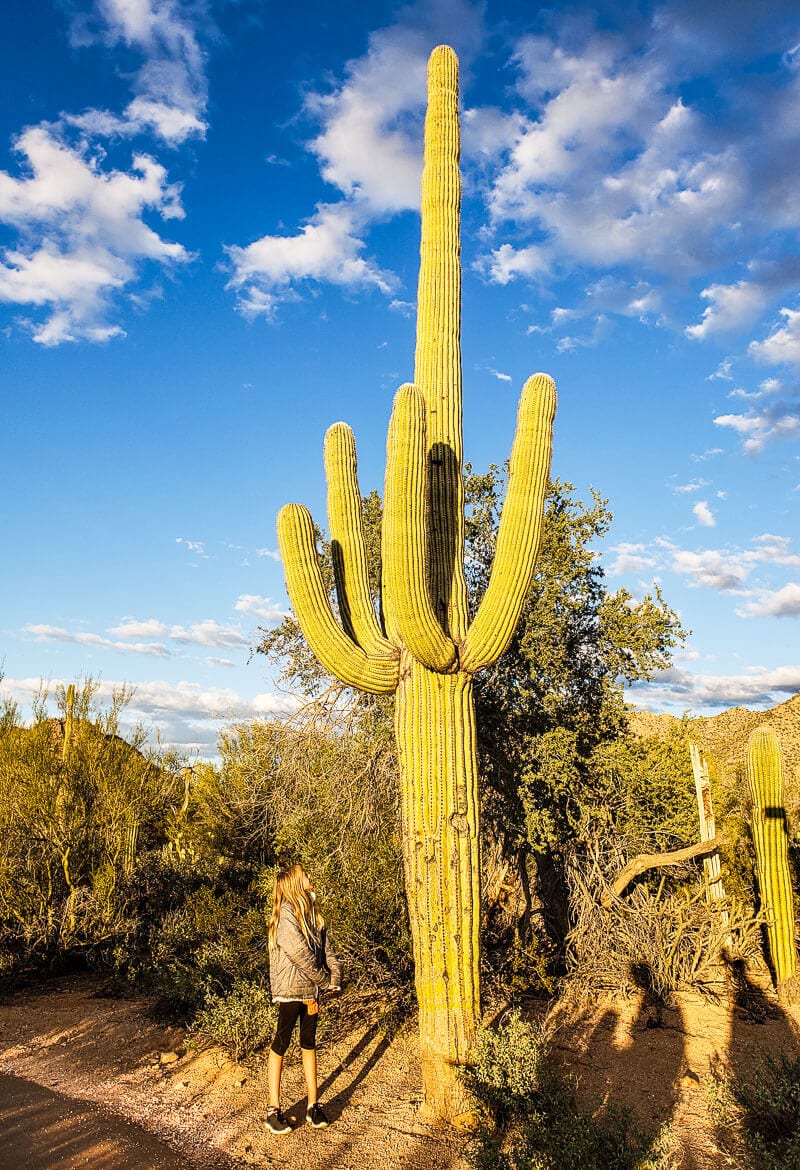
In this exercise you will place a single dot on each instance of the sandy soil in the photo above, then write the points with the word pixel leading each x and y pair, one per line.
pixel 109 1054
pixel 88 1083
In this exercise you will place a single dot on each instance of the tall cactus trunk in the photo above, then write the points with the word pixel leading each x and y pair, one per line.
pixel 441 844
pixel 771 841
pixel 428 652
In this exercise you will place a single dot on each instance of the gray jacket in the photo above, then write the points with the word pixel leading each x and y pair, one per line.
pixel 297 970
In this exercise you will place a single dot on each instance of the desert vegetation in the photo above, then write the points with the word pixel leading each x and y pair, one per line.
pixel 495 836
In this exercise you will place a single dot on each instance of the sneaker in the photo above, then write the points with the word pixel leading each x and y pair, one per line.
pixel 275 1122
pixel 316 1117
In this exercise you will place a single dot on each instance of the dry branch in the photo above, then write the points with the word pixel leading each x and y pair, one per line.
pixel 646 861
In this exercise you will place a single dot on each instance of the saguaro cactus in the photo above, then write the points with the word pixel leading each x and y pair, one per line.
pixel 423 647
pixel 771 840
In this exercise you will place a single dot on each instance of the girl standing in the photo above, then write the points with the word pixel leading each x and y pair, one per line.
pixel 301 965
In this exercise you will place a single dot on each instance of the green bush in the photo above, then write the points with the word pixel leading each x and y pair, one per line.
pixel 199 927
pixel 240 1022
pixel 531 1119
pixel 761 1110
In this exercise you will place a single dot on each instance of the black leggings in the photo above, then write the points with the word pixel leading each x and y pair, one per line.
pixel 288 1015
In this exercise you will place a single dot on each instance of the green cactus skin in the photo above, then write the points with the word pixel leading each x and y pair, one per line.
pixel 427 652
pixel 771 840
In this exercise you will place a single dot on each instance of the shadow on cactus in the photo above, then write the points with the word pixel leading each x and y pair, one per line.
pixel 421 646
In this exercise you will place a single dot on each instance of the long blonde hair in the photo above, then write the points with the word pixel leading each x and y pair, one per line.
pixel 289 887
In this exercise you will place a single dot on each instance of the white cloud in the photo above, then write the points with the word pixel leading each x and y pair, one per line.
pixel 500 376
pixel 205 633
pixel 758 687
pixel 82 234
pixel 722 372
pixel 630 558
pixel 169 85
pixel 187 715
pixel 782 347
pixel 783 602
pixel 694 485
pixel 195 546
pixel 703 514
pixel 779 422
pixel 505 263
pixel 328 248
pixel 133 628
pixel 208 633
pixel 369 147
pixel 260 607
pixel 273 553
pixel 608 162
pixel 45 633
pixel 731 307
pixel 712 568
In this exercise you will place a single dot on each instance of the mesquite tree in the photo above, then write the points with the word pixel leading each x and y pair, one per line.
pixel 422 646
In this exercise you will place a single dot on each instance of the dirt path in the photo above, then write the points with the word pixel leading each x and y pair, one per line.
pixel 104 1060
pixel 43 1129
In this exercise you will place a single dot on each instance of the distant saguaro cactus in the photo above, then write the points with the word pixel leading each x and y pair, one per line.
pixel 423 647
pixel 771 840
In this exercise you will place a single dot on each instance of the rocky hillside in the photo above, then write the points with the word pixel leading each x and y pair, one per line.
pixel 723 739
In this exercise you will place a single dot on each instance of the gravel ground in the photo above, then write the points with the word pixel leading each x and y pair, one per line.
pixel 104 1063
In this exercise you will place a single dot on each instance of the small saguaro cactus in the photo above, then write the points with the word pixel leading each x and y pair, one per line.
pixel 422 646
pixel 771 840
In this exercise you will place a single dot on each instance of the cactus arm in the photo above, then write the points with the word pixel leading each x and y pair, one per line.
pixel 437 362
pixel 520 528
pixel 338 653
pixel 410 613
pixel 346 528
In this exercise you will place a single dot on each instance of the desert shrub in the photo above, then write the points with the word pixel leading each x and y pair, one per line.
pixel 530 1117
pixel 198 927
pixel 77 804
pixel 662 940
pixel 240 1022
pixel 322 791
pixel 760 1111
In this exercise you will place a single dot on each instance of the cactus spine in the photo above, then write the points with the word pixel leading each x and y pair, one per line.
pixel 771 840
pixel 424 648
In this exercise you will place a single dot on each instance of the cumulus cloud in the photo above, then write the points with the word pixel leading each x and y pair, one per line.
pixel 694 485
pixel 610 161
pixel 45 633
pixel 83 228
pixel 630 558
pixel 82 233
pixel 369 147
pixel 722 570
pixel 185 714
pixel 759 687
pixel 127 635
pixel 783 602
pixel 169 84
pixel 782 347
pixel 261 607
pixel 703 514
pixel 328 249
pixel 782 421
pixel 731 307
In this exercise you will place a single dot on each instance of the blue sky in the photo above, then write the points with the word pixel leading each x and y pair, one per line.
pixel 208 253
